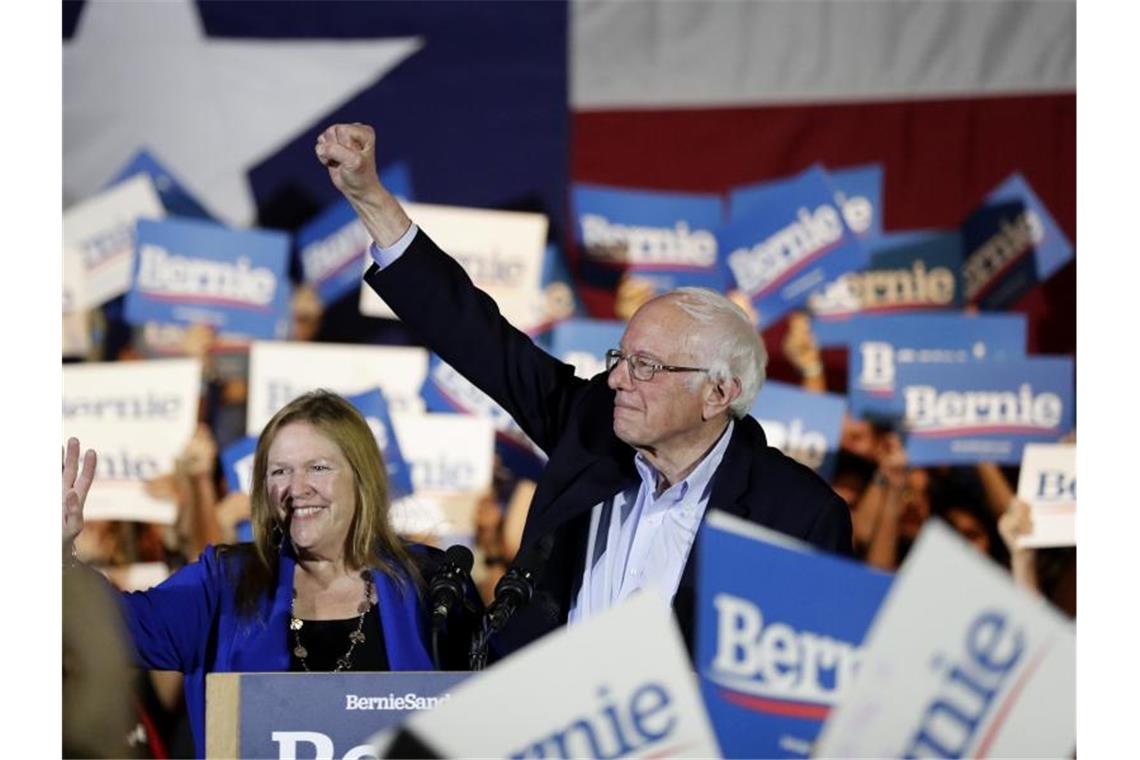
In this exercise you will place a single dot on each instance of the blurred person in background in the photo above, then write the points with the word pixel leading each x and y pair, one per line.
pixel 325 586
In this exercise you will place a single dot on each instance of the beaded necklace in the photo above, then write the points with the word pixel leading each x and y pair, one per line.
pixel 356 637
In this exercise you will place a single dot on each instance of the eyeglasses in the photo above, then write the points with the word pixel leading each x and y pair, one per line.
pixel 641 368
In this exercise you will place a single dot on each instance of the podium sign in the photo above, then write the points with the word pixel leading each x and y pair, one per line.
pixel 289 715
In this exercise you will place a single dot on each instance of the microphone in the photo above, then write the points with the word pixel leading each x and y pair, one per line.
pixel 514 590
pixel 446 589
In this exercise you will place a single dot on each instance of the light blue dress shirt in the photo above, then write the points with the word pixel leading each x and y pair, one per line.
pixel 638 540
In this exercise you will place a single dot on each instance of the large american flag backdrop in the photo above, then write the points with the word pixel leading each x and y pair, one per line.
pixel 505 104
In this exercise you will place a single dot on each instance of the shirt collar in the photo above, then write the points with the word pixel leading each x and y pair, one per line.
pixel 698 479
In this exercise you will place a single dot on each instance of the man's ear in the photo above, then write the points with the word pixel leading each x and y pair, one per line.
pixel 719 395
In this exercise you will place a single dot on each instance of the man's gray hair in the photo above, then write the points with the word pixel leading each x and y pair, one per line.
pixel 725 341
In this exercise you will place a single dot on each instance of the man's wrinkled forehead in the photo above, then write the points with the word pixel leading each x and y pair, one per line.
pixel 660 328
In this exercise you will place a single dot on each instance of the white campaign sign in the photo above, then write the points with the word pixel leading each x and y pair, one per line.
pixel 451 457
pixel 138 416
pixel 281 371
pixel 102 229
pixel 1048 483
pixel 958 663
pixel 619 685
pixel 502 252
pixel 76 337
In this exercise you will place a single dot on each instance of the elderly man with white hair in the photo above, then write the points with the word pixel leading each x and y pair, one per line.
pixel 638 454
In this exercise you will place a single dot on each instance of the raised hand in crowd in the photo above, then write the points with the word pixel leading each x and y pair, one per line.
pixel 880 499
pixel 800 348
pixel 1014 523
pixel 76 484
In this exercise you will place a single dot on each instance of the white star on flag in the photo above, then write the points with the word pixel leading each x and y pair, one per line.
pixel 144 75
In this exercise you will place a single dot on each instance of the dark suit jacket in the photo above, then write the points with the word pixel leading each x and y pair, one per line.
pixel 571 419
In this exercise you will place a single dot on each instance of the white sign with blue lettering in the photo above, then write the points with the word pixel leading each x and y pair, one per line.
pixel 784 240
pixel 1048 483
pixel 882 345
pixel 988 411
pixel 619 685
pixel 802 424
pixel 771 666
pixel 502 252
pixel 138 416
pixel 102 229
pixel 959 662
pixel 281 371
pixel 76 336
pixel 192 271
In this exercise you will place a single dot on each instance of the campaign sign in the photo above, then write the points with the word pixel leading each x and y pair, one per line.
pixel 451 460
pixel 921 274
pixel 582 343
pixel 786 239
pixel 76 336
pixel 237 464
pixel 372 405
pixel 335 243
pixel 619 228
pixel 618 685
pixel 1048 483
pixel 324 715
pixel 778 648
pixel 280 371
pixel 639 284
pixel 448 391
pixel 138 417
pixel 102 229
pixel 176 199
pixel 1011 243
pixel 558 300
pixel 881 346
pixel 802 424
pixel 502 252
pixel 859 195
pixel 190 271
pixel 959 662
pixel 986 411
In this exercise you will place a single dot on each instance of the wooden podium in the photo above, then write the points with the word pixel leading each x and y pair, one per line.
pixel 326 715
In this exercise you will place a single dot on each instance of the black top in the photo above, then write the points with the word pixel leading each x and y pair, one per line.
pixel 327 641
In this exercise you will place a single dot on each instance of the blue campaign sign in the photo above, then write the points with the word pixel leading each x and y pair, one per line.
pixel 448 391
pixel 374 407
pixel 785 240
pixel 560 299
pixel 189 271
pixel 859 195
pixel 881 346
pixel 802 424
pixel 779 632
pixel 333 245
pixel 328 714
pixel 909 272
pixel 1011 243
pixel 237 463
pixel 986 411
pixel 584 342
pixel 176 199
pixel 617 228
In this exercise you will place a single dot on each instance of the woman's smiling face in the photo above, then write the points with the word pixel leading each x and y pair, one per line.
pixel 311 486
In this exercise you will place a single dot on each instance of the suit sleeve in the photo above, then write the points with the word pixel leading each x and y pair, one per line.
pixel 169 622
pixel 437 300
pixel 832 527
